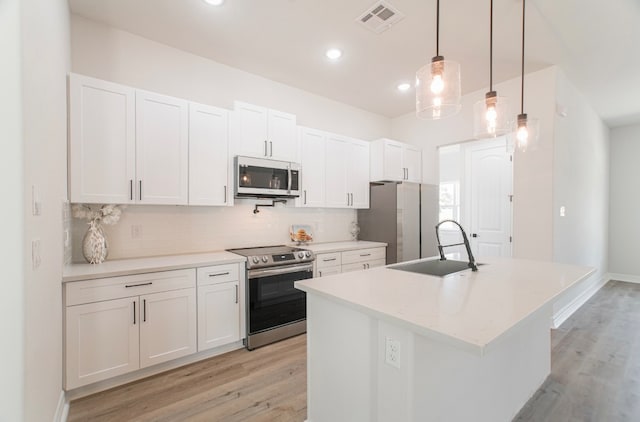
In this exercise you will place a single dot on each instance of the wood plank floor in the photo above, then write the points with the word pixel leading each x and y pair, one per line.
pixel 595 377
pixel 267 384
pixel 595 362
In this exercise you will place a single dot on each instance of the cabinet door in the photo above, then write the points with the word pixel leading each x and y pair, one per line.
pixel 167 326
pixel 101 340
pixel 392 161
pixel 313 167
pixel 282 136
pixel 250 133
pixel 101 141
pixel 412 161
pixel 161 149
pixel 359 174
pixel 218 314
pixel 325 272
pixel 336 161
pixel 208 155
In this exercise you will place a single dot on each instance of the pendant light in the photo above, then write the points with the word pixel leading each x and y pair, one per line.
pixel 438 84
pixel 526 131
pixel 491 114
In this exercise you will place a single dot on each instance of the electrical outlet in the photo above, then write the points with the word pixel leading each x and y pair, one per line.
pixel 136 231
pixel 36 205
pixel 35 254
pixel 392 352
pixel 563 211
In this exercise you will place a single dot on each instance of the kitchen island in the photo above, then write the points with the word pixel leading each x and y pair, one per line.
pixel 390 345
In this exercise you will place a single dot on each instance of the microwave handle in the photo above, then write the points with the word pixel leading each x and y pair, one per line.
pixel 289 179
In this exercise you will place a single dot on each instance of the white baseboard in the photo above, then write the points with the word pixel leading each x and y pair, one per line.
pixel 62 411
pixel 624 277
pixel 563 314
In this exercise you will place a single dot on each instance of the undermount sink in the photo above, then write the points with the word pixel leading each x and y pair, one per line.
pixel 434 267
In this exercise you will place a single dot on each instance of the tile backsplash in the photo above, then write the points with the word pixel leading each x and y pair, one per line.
pixel 145 230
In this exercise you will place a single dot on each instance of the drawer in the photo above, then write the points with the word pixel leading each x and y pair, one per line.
pixel 88 291
pixel 215 274
pixel 357 266
pixel 328 260
pixel 361 255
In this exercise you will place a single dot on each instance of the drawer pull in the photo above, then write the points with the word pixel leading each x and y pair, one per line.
pixel 217 274
pixel 329 259
pixel 365 254
pixel 138 285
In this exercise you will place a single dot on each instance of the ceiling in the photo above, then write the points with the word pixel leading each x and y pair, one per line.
pixel 285 40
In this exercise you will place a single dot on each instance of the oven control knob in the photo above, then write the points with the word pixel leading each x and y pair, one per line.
pixel 255 260
pixel 307 254
pixel 301 255
pixel 265 259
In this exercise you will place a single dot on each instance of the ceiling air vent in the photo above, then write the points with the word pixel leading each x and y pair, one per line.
pixel 379 17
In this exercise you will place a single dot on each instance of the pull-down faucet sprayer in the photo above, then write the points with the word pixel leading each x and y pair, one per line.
pixel 472 261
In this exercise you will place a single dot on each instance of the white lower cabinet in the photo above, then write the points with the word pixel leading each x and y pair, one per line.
pixel 102 341
pixel 327 264
pixel 119 324
pixel 218 306
pixel 167 326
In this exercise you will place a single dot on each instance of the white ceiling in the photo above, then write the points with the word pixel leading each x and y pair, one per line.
pixel 596 42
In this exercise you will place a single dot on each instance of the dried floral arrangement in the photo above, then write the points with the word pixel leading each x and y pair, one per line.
pixel 106 214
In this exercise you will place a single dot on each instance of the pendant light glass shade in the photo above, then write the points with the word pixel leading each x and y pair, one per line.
pixel 491 117
pixel 526 129
pixel 438 89
pixel 438 84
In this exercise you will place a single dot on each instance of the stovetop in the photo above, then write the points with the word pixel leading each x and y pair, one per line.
pixel 270 256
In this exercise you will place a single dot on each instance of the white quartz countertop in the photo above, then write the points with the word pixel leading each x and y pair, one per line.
pixel 342 246
pixel 76 272
pixel 468 309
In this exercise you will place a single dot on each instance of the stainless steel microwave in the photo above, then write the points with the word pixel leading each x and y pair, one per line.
pixel 260 177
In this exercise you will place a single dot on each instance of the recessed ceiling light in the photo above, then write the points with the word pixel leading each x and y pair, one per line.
pixel 214 2
pixel 404 86
pixel 334 53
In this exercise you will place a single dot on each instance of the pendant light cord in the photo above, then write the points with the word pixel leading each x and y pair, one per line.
pixel 491 48
pixel 522 82
pixel 438 28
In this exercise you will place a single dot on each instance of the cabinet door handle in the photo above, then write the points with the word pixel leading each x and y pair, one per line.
pixel 348 199
pixel 319 273
pixel 236 293
pixel 265 148
pixel 140 189
pixel 144 310
pixel 305 197
pixel 368 266
pixel 225 194
pixel 218 274
pixel 328 259
pixel 271 146
pixel 131 189
pixel 138 285
pixel 134 312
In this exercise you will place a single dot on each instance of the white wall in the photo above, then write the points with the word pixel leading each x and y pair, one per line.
pixel 533 171
pixel 46 62
pixel 624 205
pixel 11 221
pixel 107 53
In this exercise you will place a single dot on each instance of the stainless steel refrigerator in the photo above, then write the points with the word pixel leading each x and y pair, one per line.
pixel 404 216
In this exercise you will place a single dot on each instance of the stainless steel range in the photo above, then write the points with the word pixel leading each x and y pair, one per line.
pixel 275 308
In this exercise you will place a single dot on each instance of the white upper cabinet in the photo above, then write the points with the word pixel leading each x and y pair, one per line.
pixel 162 148
pixel 346 172
pixel 102 141
pixel 208 156
pixel 264 133
pixel 312 157
pixel 395 161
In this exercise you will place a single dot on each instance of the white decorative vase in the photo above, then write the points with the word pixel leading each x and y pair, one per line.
pixel 94 244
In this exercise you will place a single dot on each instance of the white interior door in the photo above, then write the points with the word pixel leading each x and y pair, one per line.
pixel 489 188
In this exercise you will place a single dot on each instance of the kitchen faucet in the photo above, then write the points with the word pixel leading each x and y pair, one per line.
pixel 472 261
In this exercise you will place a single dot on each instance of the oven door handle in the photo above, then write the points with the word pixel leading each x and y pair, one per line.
pixel 281 270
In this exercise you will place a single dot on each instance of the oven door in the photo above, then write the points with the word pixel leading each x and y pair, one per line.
pixel 273 300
